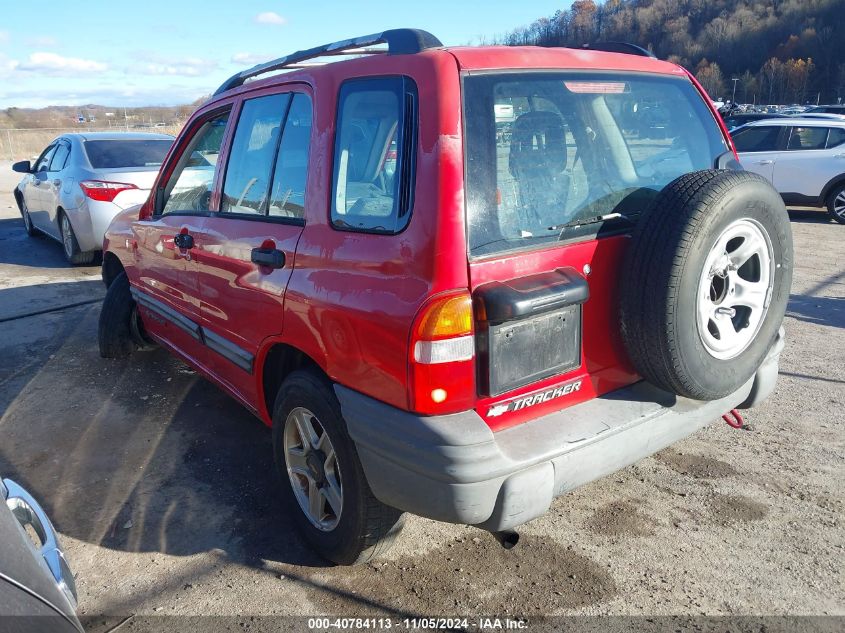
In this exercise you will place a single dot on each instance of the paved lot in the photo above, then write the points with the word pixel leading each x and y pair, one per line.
pixel 164 492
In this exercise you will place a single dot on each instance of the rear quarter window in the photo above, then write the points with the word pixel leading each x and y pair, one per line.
pixel 375 146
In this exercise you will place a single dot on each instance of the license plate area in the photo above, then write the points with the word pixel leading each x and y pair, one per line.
pixel 528 329
pixel 525 351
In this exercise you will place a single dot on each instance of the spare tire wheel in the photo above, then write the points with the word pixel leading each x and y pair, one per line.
pixel 706 282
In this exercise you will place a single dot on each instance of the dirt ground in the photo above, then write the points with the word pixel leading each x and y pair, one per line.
pixel 163 490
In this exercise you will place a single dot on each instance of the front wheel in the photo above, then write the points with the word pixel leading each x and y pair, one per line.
pixel 323 482
pixel 28 226
pixel 836 203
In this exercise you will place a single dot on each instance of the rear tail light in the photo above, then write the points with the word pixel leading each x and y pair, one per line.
pixel 102 190
pixel 442 356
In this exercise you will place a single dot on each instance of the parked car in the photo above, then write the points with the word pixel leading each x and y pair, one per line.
pixel 804 158
pixel 81 181
pixel 37 589
pixel 826 109
pixel 477 325
pixel 734 121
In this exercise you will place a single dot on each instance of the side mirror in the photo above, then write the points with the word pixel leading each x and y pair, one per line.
pixel 22 167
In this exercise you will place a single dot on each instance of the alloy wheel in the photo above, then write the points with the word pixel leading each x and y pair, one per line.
pixel 67 236
pixel 313 469
pixel 735 289
pixel 839 204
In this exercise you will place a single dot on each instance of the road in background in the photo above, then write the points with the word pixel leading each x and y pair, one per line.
pixel 164 492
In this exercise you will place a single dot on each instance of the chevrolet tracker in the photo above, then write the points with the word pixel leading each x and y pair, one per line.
pixel 456 282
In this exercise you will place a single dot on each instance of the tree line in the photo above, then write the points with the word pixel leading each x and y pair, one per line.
pixel 779 51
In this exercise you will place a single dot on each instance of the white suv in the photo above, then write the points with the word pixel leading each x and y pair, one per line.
pixel 803 158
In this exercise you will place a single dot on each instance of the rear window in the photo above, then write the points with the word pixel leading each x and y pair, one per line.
pixel 114 154
pixel 563 156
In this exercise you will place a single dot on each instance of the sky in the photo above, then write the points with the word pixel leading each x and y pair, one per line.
pixel 170 52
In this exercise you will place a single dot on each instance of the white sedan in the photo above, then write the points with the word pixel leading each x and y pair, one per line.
pixel 82 180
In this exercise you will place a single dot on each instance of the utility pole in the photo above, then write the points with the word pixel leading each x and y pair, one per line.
pixel 733 98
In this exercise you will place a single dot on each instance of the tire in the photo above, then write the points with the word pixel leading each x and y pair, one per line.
pixel 836 203
pixel 28 226
pixel 120 330
pixel 73 254
pixel 697 332
pixel 364 527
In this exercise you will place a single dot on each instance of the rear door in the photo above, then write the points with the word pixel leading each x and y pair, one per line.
pixel 167 289
pixel 246 251
pixel 52 187
pixel 760 146
pixel 550 206
pixel 808 163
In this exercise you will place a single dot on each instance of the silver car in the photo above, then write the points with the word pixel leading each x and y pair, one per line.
pixel 81 181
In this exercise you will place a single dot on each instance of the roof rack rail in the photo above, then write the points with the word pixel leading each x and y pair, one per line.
pixel 399 42
pixel 619 47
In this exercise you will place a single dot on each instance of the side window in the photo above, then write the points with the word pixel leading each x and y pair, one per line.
pixel 251 157
pixel 44 160
pixel 807 138
pixel 836 137
pixel 189 188
pixel 761 138
pixel 287 194
pixel 60 157
pixel 375 146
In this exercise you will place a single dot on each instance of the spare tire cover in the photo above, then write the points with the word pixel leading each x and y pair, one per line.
pixel 705 283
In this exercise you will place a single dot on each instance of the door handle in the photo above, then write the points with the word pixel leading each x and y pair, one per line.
pixel 839 156
pixel 765 162
pixel 270 257
pixel 57 182
pixel 184 241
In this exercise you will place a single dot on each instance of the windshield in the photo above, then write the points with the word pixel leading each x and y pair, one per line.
pixel 550 156
pixel 115 154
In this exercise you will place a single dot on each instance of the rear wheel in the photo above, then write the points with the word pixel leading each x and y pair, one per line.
pixel 73 253
pixel 836 203
pixel 323 482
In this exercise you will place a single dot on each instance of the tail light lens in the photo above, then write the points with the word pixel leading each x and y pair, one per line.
pixel 102 190
pixel 442 356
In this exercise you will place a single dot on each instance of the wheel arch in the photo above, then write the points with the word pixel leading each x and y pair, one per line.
pixel 830 186
pixel 19 199
pixel 275 362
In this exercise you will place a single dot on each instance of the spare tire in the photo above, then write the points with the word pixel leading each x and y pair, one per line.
pixel 705 283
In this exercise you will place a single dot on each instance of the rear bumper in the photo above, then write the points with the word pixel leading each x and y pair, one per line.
pixel 455 469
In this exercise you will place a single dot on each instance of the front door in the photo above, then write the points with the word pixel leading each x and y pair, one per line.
pixel 760 146
pixel 34 193
pixel 246 251
pixel 167 289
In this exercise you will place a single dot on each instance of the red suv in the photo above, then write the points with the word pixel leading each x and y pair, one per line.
pixel 457 282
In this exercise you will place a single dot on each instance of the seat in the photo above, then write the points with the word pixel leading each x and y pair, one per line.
pixel 537 162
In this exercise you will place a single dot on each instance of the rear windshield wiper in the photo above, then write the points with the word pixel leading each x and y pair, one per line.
pixel 592 220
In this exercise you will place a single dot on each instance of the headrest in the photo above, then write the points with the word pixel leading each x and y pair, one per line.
pixel 538 143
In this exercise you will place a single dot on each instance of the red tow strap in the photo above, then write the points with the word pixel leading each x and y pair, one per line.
pixel 734 419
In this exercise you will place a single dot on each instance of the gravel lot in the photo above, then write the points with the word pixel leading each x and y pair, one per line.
pixel 163 489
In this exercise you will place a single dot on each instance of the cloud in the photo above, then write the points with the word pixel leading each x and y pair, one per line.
pixel 250 58
pixel 186 67
pixel 41 96
pixel 53 64
pixel 270 17
pixel 42 41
